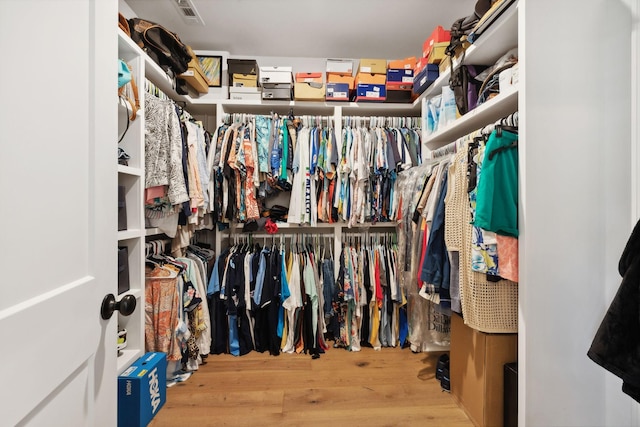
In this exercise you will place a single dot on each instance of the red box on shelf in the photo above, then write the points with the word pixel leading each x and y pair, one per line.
pixel 438 35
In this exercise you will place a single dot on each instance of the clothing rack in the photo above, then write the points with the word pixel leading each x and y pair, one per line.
pixel 156 247
pixel 316 121
pixel 511 120
pixel 381 121
pixel 452 148
pixel 369 237
pixel 154 90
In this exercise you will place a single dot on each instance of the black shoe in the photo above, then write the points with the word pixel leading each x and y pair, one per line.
pixel 443 363
pixel 445 381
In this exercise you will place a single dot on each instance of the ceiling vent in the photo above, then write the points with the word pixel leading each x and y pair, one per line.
pixel 188 12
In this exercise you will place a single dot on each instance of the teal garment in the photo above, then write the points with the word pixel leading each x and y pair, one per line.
pixel 497 196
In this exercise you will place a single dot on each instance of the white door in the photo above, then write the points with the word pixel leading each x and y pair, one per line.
pixel 58 183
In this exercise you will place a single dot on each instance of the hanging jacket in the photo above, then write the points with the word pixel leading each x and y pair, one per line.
pixel 616 345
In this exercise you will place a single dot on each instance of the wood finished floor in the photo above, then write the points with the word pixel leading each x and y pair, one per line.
pixel 391 387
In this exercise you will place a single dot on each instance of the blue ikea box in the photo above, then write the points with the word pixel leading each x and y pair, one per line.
pixel 371 92
pixel 399 75
pixel 142 390
pixel 425 78
pixel 337 92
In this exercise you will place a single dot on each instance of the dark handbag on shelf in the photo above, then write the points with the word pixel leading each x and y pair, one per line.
pixel 163 47
pixel 462 27
pixel 465 86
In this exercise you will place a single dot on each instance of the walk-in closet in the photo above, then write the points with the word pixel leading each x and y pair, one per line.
pixel 363 213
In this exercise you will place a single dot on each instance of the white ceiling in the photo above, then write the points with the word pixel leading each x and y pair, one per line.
pixel 390 29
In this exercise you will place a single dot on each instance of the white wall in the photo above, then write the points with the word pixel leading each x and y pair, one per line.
pixel 576 203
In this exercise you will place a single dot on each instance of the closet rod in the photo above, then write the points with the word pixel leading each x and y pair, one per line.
pixel 391 121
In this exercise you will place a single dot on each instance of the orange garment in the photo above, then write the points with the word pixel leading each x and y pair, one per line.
pixel 253 212
pixel 162 305
pixel 507 257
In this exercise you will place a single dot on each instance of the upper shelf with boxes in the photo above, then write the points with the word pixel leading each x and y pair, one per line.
pixel 364 85
pixel 477 83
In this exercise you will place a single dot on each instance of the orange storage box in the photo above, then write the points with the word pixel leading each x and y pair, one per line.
pixel 403 64
pixel 309 77
pixel 335 78
pixel 372 79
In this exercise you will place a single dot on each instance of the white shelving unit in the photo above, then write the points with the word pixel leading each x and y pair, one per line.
pixel 500 37
pixel 132 178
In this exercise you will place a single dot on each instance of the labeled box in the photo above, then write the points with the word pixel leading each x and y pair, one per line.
pixel 438 35
pixel 195 79
pixel 371 92
pixel 245 93
pixel 340 66
pixel 422 62
pixel 426 77
pixel 311 91
pixel 281 91
pixel 373 66
pixel 276 75
pixel 142 390
pixel 194 75
pixel 399 75
pixel 337 92
pixel 403 64
pixel 309 78
pixel 243 72
pixel 244 80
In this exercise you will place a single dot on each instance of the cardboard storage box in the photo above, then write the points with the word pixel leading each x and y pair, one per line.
pixel 373 79
pixel 438 35
pixel 445 64
pixel 437 53
pixel 194 75
pixel 399 75
pixel 312 91
pixel 276 75
pixel 196 79
pixel 477 362
pixel 142 390
pixel 336 78
pixel 277 91
pixel 422 62
pixel 341 67
pixel 403 64
pixel 426 77
pixel 373 66
pixel 243 72
pixel 245 93
pixel 337 92
pixel 371 92
pixel 309 77
pixel 244 80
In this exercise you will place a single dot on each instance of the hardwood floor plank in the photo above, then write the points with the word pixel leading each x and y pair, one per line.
pixel 391 387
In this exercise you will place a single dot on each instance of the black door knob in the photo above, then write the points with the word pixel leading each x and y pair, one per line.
pixel 125 306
